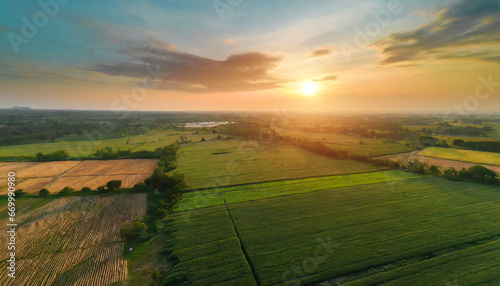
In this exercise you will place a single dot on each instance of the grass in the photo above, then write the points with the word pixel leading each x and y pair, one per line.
pixel 219 196
pixel 81 146
pixel 406 230
pixel 230 162
pixel 478 157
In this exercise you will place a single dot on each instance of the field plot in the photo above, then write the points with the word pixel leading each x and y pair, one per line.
pixel 230 162
pixel 33 176
pixel 364 234
pixel 249 192
pixel 349 143
pixel 72 241
pixel 478 157
pixel 443 164
pixel 209 249
pixel 73 143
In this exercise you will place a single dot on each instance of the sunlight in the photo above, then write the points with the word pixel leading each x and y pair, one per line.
pixel 309 89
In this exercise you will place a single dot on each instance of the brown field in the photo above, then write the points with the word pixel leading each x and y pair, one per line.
pixel 72 241
pixel 33 176
pixel 441 163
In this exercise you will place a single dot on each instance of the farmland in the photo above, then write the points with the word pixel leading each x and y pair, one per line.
pixel 256 191
pixel 33 176
pixel 390 232
pixel 230 162
pixel 72 240
pixel 81 146
pixel 351 144
pixel 463 155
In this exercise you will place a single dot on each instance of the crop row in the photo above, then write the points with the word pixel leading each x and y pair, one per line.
pixel 206 198
pixel 367 226
pixel 208 249
pixel 74 240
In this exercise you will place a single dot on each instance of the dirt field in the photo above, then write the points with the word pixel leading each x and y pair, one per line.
pixel 441 163
pixel 33 176
pixel 72 241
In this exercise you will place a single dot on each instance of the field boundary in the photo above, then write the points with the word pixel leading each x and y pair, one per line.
pixel 287 195
pixel 365 273
pixel 460 160
pixel 247 258
pixel 279 180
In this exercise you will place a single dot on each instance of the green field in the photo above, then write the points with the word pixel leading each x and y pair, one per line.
pixel 219 196
pixel 463 155
pixel 80 146
pixel 351 144
pixel 231 162
pixel 209 249
pixel 423 231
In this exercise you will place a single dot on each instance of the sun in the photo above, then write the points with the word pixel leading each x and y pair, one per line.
pixel 309 89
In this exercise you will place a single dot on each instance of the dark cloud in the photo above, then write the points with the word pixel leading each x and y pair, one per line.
pixel 184 71
pixel 470 22
pixel 484 56
pixel 321 52
pixel 327 78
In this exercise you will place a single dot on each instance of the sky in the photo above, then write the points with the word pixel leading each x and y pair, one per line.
pixel 317 55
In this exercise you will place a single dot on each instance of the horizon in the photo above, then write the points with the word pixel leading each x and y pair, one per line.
pixel 356 57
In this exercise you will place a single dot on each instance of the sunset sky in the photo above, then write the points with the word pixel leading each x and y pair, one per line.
pixel 338 56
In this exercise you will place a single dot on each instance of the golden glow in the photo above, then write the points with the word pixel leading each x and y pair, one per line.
pixel 309 89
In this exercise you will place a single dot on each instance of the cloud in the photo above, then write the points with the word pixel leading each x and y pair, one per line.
pixel 321 52
pixel 465 24
pixel 327 78
pixel 483 56
pixel 188 72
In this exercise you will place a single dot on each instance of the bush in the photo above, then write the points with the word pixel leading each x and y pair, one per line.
pixel 133 229
pixel 43 193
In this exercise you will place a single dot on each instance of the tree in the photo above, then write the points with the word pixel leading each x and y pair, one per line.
pixel 19 193
pixel 142 188
pixel 416 166
pixel 450 172
pixel 202 139
pixel 101 189
pixel 66 190
pixel 434 170
pixel 43 193
pixel 482 174
pixel 86 189
pixel 113 185
pixel 458 142
pixel 219 137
